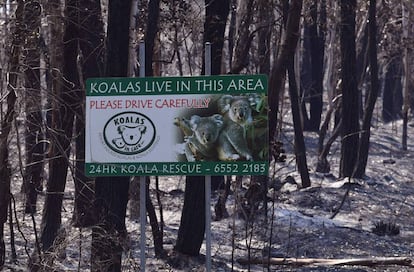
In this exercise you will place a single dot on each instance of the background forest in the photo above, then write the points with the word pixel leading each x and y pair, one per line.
pixel 340 104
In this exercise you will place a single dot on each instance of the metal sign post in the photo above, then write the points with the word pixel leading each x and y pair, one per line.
pixel 142 187
pixel 208 177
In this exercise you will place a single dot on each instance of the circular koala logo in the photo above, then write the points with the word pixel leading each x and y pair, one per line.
pixel 129 133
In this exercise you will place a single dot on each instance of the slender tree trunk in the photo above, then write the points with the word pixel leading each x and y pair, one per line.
pixel 300 148
pixel 6 125
pixel 192 225
pixel 330 71
pixel 111 193
pixel 278 73
pixel 305 72
pixel 150 41
pixel 350 102
pixel 151 34
pixel 34 132
pixel 372 95
pixel 244 37
pixel 266 15
pixel 407 62
pixel 317 58
pixel 214 28
pixel 90 64
pixel 313 59
pixel 232 30
pixel 392 90
pixel 155 226
pixel 66 100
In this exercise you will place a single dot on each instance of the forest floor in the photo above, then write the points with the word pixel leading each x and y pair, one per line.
pixel 298 225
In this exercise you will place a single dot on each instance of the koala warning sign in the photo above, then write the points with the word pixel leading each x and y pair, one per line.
pixel 206 125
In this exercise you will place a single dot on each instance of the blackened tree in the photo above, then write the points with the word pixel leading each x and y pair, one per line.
pixel 192 225
pixel 6 125
pixel 372 94
pixel 279 67
pixel 150 34
pixel 64 103
pixel 111 193
pixel 214 28
pixel 314 46
pixel 300 148
pixel 392 98
pixel 34 132
pixel 350 96
pixel 89 64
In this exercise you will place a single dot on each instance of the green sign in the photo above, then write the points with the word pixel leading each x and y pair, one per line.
pixel 204 125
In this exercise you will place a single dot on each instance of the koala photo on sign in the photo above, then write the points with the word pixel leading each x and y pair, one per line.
pixel 233 128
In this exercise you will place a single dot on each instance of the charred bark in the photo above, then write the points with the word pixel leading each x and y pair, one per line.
pixel 66 93
pixel 392 100
pixel 300 148
pixel 6 125
pixel 111 193
pixel 34 127
pixel 350 95
pixel 151 33
pixel 214 28
pixel 244 37
pixel 155 226
pixel 90 64
pixel 278 72
pixel 314 46
pixel 372 95
pixel 192 225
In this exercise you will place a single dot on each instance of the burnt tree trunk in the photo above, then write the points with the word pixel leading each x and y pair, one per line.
pixel 317 58
pixel 214 28
pixel 34 128
pixel 90 64
pixel 150 37
pixel 151 33
pixel 392 90
pixel 65 91
pixel 278 72
pixel 314 46
pixel 300 148
pixel 6 125
pixel 350 96
pixel 373 92
pixel 155 226
pixel 244 37
pixel 193 219
pixel 263 47
pixel 111 193
pixel 192 226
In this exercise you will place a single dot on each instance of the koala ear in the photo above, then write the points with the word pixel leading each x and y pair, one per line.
pixel 195 119
pixel 218 119
pixel 224 103
pixel 121 129
pixel 142 128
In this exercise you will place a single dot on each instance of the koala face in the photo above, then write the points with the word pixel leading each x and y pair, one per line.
pixel 131 135
pixel 236 108
pixel 240 111
pixel 206 129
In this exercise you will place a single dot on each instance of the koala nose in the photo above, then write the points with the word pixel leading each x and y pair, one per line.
pixel 131 137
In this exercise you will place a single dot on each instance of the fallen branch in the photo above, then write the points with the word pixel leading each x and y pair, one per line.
pixel 404 261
